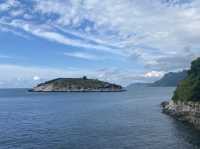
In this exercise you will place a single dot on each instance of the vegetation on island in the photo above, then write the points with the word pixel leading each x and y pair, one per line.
pixel 189 88
pixel 77 84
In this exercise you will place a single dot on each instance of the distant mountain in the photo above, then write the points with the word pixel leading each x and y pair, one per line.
pixel 77 85
pixel 138 85
pixel 171 79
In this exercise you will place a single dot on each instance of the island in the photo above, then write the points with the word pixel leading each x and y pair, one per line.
pixel 77 85
pixel 185 103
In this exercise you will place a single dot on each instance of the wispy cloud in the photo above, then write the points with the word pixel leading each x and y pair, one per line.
pixel 4 28
pixel 154 74
pixel 153 33
pixel 47 32
pixel 126 77
pixel 8 4
pixel 2 56
pixel 83 55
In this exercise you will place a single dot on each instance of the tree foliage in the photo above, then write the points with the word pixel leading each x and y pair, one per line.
pixel 189 88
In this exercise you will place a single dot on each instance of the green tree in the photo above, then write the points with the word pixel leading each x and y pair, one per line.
pixel 189 88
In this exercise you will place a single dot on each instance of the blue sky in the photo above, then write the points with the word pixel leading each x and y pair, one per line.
pixel 121 41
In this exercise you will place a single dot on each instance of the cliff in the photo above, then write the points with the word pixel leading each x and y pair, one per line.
pixel 77 85
pixel 185 103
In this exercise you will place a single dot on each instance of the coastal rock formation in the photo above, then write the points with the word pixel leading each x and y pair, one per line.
pixel 185 103
pixel 77 85
pixel 184 111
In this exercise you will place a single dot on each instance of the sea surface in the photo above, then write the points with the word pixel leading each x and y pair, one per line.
pixel 121 120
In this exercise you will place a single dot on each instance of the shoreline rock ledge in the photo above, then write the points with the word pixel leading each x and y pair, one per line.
pixel 77 85
pixel 184 111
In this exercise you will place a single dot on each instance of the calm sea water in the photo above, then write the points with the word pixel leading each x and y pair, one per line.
pixel 123 120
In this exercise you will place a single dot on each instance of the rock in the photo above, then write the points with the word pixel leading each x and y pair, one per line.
pixel 184 111
pixel 164 104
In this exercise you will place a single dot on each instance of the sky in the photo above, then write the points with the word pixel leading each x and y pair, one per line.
pixel 120 41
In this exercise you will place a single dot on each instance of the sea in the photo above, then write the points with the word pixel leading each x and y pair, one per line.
pixel 92 120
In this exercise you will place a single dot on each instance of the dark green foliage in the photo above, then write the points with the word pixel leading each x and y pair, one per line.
pixel 80 83
pixel 189 88
pixel 195 68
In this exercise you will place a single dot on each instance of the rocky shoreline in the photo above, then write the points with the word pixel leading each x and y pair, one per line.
pixel 184 111
pixel 84 90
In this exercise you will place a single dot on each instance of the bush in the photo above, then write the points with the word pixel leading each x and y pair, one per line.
pixel 189 88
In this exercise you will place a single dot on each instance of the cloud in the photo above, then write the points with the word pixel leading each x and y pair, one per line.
pixel 136 22
pixel 154 74
pixel 83 55
pixel 153 33
pixel 13 31
pixel 174 61
pixel 47 32
pixel 27 76
pixel 36 78
pixel 127 77
pixel 16 13
pixel 20 71
pixel 5 56
pixel 8 4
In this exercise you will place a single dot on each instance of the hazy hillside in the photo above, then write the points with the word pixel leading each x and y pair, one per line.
pixel 171 79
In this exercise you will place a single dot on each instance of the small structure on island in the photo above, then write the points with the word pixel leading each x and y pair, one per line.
pixel 84 77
